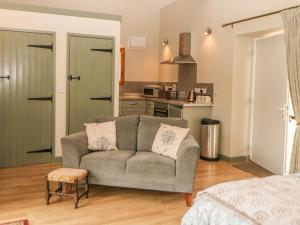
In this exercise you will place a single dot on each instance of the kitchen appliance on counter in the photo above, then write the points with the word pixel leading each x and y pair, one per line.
pixel 170 94
pixel 203 99
pixel 191 96
pixel 161 109
pixel 180 95
pixel 153 91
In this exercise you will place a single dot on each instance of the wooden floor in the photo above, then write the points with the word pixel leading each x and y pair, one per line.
pixel 22 196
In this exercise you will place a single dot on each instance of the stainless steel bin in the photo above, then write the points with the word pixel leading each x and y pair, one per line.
pixel 210 130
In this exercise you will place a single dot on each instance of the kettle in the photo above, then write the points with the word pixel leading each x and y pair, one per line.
pixel 191 96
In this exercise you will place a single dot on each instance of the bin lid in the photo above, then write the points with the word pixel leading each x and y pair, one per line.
pixel 207 121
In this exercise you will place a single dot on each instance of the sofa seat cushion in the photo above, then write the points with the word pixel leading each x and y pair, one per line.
pixel 151 168
pixel 106 165
pixel 148 128
pixel 126 130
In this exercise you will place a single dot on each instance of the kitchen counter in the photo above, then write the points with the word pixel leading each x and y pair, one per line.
pixel 136 104
pixel 163 100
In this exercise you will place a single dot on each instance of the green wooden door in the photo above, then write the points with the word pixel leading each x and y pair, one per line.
pixel 90 80
pixel 40 99
pixel 25 98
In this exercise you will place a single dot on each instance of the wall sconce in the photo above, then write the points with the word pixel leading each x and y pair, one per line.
pixel 208 31
pixel 165 42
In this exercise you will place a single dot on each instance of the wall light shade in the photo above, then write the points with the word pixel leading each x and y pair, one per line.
pixel 165 42
pixel 208 31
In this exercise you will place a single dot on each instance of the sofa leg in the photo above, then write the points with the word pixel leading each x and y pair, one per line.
pixel 188 199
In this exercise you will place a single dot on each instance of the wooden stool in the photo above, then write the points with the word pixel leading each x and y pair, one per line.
pixel 69 177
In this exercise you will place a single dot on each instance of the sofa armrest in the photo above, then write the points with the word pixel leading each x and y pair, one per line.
pixel 186 165
pixel 73 148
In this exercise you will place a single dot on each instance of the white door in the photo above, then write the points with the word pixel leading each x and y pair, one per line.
pixel 270 104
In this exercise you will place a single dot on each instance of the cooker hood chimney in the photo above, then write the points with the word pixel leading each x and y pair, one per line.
pixel 184 51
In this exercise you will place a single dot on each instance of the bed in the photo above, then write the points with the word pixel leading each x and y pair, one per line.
pixel 273 200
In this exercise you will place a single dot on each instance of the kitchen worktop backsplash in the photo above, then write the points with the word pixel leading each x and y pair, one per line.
pixel 187 80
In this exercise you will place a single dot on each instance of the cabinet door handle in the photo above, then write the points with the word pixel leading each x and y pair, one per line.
pixel 133 103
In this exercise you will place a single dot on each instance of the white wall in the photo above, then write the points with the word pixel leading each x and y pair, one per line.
pixel 61 25
pixel 140 18
pixel 217 55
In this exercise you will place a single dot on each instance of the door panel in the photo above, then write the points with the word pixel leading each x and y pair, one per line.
pixel 8 151
pixel 91 60
pixel 2 109
pixel 23 123
pixel 40 86
pixel 270 104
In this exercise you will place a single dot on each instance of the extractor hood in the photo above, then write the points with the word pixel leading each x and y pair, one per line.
pixel 184 51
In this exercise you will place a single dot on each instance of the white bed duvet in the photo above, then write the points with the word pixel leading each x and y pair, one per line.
pixel 273 200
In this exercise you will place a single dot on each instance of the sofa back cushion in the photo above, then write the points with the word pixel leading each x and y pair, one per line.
pixel 127 128
pixel 148 128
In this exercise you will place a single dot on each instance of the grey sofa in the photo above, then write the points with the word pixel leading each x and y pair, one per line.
pixel 134 165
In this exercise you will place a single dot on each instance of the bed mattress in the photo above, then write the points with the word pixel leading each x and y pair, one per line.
pixel 273 200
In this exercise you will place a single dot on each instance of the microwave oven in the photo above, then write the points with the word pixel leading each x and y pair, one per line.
pixel 153 91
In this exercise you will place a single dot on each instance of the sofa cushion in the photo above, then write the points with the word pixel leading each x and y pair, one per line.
pixel 109 164
pixel 101 136
pixel 126 130
pixel 168 140
pixel 151 168
pixel 148 128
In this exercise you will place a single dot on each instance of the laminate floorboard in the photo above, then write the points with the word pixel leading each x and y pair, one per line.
pixel 22 197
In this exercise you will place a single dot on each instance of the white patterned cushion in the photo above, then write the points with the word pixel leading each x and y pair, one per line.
pixel 168 139
pixel 101 136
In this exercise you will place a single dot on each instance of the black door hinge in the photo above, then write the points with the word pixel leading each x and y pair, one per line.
pixel 109 98
pixel 110 50
pixel 42 46
pixel 5 77
pixel 50 98
pixel 47 150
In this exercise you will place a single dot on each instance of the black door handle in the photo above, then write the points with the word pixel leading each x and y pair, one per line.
pixel 70 77
pixel 102 99
pixel 5 77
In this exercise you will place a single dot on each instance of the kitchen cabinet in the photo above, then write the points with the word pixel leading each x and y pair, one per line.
pixel 194 115
pixel 149 108
pixel 175 111
pixel 134 107
pixel 188 111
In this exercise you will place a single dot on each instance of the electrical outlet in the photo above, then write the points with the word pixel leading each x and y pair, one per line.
pixel 203 90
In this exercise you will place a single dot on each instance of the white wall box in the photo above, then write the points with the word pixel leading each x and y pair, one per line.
pixel 137 42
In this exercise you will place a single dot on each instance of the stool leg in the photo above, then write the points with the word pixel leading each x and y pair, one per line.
pixel 47 193
pixel 87 188
pixel 76 194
